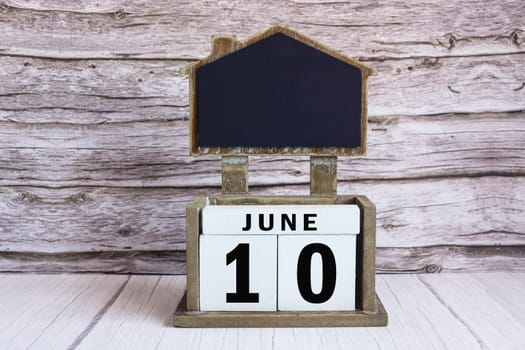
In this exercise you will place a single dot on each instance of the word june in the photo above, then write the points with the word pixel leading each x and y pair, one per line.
pixel 290 221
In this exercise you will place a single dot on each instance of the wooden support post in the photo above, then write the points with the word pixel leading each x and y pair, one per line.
pixel 234 174
pixel 367 255
pixel 323 175
pixel 192 253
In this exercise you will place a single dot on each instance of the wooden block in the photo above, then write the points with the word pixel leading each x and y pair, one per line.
pixel 238 273
pixel 234 174
pixel 278 219
pixel 316 272
pixel 323 175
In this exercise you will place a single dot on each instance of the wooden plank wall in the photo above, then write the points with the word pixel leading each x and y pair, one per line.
pixel 94 165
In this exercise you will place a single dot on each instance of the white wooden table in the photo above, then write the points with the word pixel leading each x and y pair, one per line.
pixel 79 311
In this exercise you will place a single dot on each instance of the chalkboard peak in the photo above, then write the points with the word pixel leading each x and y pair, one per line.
pixel 235 44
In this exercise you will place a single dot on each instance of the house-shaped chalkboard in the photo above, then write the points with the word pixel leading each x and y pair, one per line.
pixel 277 93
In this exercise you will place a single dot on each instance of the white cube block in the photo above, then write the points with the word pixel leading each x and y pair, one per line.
pixel 238 273
pixel 316 272
pixel 280 219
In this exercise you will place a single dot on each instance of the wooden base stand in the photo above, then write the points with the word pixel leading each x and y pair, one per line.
pixel 370 311
pixel 219 319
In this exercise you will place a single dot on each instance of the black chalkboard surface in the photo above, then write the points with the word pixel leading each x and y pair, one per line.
pixel 278 92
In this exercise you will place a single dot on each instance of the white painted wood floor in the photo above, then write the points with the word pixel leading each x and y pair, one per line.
pixel 434 311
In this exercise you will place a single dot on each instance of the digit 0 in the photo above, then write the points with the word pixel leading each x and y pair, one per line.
pixel 304 273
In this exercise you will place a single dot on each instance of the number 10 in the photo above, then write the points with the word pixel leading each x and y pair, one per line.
pixel 241 255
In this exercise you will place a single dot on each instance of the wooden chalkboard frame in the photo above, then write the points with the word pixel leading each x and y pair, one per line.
pixel 323 190
pixel 225 45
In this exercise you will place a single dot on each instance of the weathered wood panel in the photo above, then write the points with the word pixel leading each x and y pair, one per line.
pixel 92 219
pixel 506 289
pixel 109 261
pixel 182 29
pixel 51 311
pixel 450 258
pixel 489 322
pixel 453 84
pixel 465 211
pixel 431 259
pixel 105 91
pixel 142 230
pixel 93 129
pixel 91 91
pixel 422 318
pixel 148 154
pixel 434 312
pixel 146 303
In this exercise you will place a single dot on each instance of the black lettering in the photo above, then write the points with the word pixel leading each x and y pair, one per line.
pixel 309 220
pixel 241 256
pixel 261 222
pixel 248 223
pixel 304 273
pixel 285 219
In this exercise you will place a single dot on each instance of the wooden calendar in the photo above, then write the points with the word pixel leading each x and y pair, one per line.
pixel 279 261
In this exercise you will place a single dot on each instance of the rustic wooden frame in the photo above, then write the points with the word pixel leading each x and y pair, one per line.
pixel 224 45
pixel 369 310
pixel 323 189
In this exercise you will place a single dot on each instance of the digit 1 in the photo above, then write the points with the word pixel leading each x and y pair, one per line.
pixel 304 273
pixel 241 254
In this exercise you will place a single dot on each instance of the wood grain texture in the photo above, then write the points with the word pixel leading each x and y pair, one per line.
pixel 139 317
pixel 50 311
pixel 445 311
pixel 94 166
pixel 323 175
pixel 153 154
pixel 182 29
pixel 431 259
pixel 234 174
pixel 434 85
pixel 193 224
pixel 501 329
pixel 450 258
pixel 68 223
pixel 486 210
pixel 104 91
pixel 366 256
pixel 108 261
pixel 279 319
pixel 92 219
pixel 423 321
pixel 506 290
pixel 91 91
